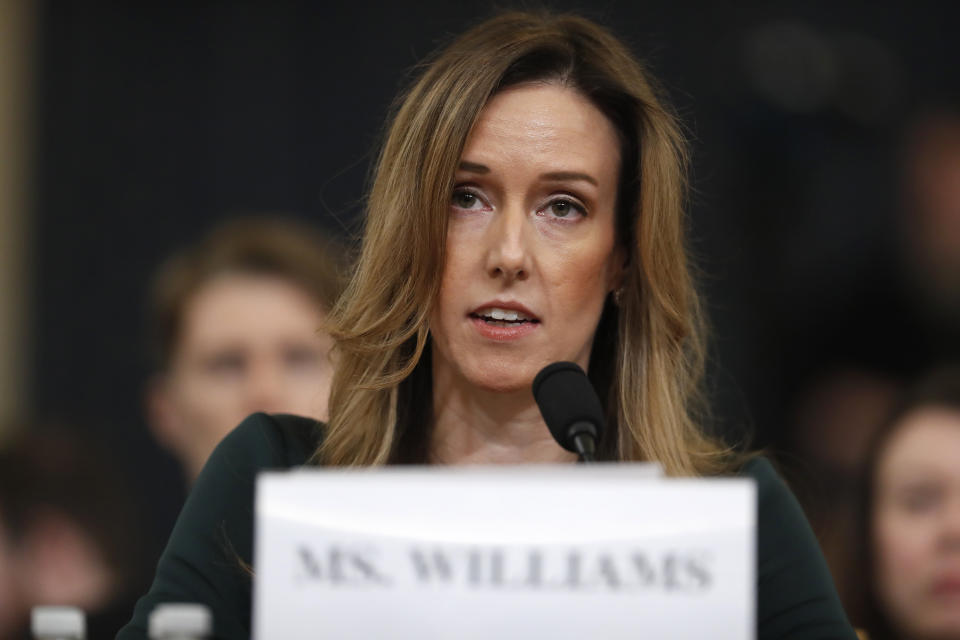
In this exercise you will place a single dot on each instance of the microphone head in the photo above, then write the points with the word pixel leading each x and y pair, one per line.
pixel 568 403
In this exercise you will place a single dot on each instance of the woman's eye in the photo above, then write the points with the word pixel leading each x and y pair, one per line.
pixel 565 209
pixel 463 199
pixel 302 358
pixel 921 499
pixel 229 363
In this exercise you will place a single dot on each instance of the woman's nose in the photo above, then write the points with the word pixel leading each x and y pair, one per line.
pixel 951 522
pixel 508 254
pixel 264 388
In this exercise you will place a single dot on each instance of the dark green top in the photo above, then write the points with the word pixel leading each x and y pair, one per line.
pixel 213 539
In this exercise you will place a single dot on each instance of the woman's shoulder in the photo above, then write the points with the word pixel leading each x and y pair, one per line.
pixel 796 594
pixel 772 490
pixel 265 441
pixel 779 515
pixel 212 542
pixel 761 469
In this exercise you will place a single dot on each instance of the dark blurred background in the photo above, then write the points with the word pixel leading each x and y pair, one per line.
pixel 150 121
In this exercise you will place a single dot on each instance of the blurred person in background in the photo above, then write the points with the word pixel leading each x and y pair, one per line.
pixel 68 535
pixel 236 323
pixel 931 230
pixel 903 321
pixel 910 517
pixel 836 423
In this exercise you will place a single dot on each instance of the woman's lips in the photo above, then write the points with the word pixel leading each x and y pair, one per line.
pixel 503 331
pixel 947 586
pixel 504 309
pixel 503 320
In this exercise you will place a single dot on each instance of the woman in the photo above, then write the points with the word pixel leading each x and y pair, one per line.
pixel 527 207
pixel 218 358
pixel 911 517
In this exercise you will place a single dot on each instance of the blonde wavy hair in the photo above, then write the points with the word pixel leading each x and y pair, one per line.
pixel 648 355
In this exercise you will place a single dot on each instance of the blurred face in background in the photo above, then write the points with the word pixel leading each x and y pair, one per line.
pixel 248 343
pixel 932 222
pixel 916 523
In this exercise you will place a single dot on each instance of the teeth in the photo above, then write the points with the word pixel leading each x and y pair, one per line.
pixel 506 315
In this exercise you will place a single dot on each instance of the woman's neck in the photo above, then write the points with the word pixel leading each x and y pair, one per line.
pixel 478 426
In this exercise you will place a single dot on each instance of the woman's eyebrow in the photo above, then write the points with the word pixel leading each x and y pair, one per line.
pixel 570 175
pixel 473 167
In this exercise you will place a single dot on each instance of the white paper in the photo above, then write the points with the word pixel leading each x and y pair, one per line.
pixel 509 552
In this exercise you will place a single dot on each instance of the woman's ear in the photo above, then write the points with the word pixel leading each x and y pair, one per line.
pixel 162 416
pixel 619 263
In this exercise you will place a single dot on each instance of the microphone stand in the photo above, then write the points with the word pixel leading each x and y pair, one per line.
pixel 583 435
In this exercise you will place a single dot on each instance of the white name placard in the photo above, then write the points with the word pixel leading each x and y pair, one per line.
pixel 607 551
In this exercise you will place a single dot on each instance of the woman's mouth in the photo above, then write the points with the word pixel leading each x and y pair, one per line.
pixel 499 317
pixel 504 323
pixel 947 586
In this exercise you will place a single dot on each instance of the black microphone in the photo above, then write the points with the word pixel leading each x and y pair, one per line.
pixel 570 407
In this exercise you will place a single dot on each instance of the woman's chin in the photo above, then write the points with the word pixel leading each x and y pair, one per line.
pixel 501 385
pixel 490 372
pixel 499 379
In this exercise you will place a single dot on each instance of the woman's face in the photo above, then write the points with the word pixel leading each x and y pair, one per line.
pixel 916 524
pixel 232 359
pixel 531 251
